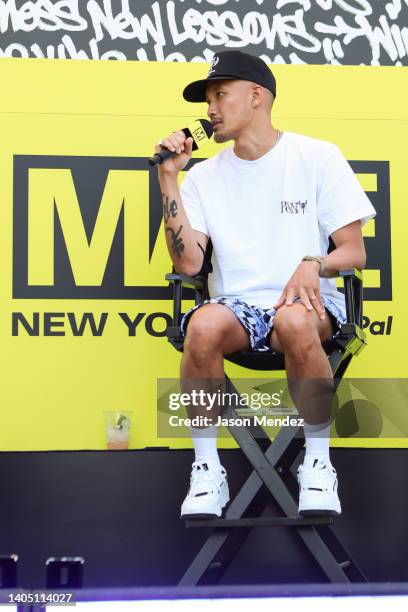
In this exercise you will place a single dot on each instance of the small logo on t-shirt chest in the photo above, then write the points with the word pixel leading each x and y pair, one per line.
pixel 293 208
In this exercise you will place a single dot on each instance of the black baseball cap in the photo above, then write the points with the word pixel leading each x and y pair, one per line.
pixel 232 65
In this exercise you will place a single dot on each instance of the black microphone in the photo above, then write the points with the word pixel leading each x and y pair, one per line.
pixel 200 131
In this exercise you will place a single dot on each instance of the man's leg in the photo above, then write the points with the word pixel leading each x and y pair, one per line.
pixel 298 334
pixel 212 332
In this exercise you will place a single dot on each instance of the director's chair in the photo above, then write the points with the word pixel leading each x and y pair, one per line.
pixel 271 460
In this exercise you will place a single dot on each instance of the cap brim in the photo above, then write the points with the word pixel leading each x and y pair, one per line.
pixel 195 92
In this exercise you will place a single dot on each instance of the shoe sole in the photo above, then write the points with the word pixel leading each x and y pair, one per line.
pixel 207 515
pixel 198 517
pixel 319 513
pixel 317 504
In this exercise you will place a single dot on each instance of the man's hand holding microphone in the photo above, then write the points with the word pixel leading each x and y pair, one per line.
pixel 181 146
pixel 172 154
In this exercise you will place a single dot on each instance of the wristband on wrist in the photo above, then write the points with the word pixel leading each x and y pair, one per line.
pixel 317 258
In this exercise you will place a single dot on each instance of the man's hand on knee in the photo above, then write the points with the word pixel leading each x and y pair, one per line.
pixel 305 284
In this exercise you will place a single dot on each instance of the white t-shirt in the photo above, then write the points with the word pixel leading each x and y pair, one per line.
pixel 264 215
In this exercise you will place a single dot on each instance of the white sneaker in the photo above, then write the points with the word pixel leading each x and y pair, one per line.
pixel 318 490
pixel 208 493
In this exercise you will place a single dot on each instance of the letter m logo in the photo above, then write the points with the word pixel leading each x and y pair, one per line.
pixel 87 227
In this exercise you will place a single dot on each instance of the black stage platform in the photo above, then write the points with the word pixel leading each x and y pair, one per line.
pixel 119 510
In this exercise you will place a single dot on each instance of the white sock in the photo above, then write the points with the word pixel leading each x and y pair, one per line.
pixel 317 443
pixel 205 445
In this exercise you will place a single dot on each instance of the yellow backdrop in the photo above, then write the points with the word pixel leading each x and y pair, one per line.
pixel 55 385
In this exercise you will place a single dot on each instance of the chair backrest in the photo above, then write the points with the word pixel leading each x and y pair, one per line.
pixel 340 348
pixel 207 266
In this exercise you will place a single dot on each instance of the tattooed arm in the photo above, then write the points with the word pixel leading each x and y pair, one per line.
pixel 186 245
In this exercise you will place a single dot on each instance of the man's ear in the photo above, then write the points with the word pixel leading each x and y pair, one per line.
pixel 257 95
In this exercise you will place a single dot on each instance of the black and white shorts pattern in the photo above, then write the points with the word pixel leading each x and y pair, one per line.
pixel 257 321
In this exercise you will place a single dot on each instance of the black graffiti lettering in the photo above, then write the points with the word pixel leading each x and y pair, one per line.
pixel 320 32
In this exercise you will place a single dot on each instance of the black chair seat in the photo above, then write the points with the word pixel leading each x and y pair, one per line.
pixel 258 360
pixel 271 360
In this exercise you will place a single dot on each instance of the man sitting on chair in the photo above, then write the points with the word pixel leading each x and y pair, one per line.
pixel 269 203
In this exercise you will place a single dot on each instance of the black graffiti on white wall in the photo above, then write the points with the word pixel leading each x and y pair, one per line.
pixel 372 32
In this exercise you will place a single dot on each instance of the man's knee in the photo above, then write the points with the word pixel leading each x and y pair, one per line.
pixel 204 335
pixel 296 328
